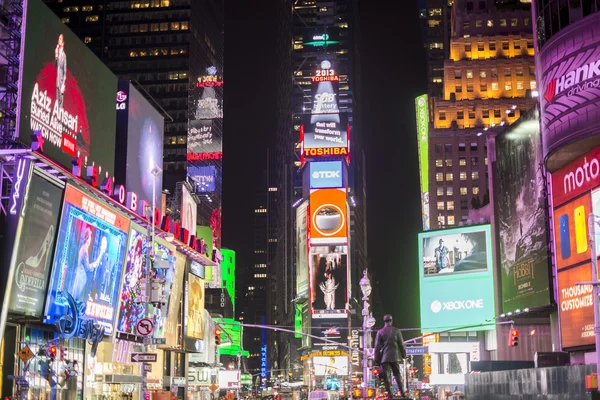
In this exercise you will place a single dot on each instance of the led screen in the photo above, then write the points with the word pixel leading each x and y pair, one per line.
pixel 89 257
pixel 329 281
pixel 326 174
pixel 302 249
pixel 328 216
pixel 575 304
pixel 195 307
pixel 189 210
pixel 66 92
pixel 337 365
pixel 456 279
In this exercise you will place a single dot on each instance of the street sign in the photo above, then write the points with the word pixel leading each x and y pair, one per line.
pixel 148 367
pixel 155 341
pixel 416 350
pixel 25 354
pixel 143 357
pixel 213 387
pixel 229 396
pixel 144 327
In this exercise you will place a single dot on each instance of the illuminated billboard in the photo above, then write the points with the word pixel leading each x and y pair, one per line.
pixel 326 366
pixel 571 232
pixel 66 93
pixel 521 215
pixel 329 281
pixel 302 249
pixel 194 307
pixel 334 332
pixel 203 178
pixel 189 210
pixel 326 174
pixel 228 272
pixel 328 216
pixel 422 106
pixel 576 306
pixel 140 131
pixel 456 279
pixel 90 253
pixel 231 337
pixel 35 245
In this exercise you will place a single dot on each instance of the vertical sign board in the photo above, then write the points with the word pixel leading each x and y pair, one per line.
pixel 421 103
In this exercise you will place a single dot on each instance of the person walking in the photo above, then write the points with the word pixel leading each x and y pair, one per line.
pixel 389 352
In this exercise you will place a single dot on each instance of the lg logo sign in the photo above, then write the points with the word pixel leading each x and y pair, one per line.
pixel 437 306
pixel 326 174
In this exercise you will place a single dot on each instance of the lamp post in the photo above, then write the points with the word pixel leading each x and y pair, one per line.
pixel 365 288
pixel 156 171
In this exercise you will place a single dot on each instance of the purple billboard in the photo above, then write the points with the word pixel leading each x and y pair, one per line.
pixel 569 88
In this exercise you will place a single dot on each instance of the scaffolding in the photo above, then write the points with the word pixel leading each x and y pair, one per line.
pixel 11 18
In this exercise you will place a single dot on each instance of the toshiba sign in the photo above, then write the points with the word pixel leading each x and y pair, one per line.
pixel 578 177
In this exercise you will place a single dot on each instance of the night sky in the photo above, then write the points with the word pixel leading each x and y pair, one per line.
pixel 393 74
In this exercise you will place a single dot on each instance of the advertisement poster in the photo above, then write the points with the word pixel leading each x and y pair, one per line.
pixel 328 216
pixel 324 366
pixel 521 215
pixel 329 281
pixel 456 279
pixel 89 258
pixel 173 268
pixel 571 232
pixel 331 330
pixel 143 132
pixel 202 139
pixel 326 134
pixel 576 306
pixel 203 178
pixel 132 309
pixel 195 307
pixel 66 93
pixel 422 106
pixel 302 250
pixel 189 210
pixel 40 212
pixel 326 174
pixel 454 251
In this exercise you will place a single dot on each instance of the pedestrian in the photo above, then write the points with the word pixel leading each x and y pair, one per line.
pixel 389 352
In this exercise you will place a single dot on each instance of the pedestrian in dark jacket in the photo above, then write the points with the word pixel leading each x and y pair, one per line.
pixel 389 352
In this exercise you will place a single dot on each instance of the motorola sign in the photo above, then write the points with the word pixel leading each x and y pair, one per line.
pixel 326 174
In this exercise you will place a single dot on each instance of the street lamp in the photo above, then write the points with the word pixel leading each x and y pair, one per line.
pixel 365 288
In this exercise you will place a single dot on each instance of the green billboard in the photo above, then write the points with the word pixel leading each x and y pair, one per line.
pixel 228 273
pixel 422 108
pixel 456 279
pixel 231 338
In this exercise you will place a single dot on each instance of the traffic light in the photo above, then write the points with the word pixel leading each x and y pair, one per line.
pixel 217 336
pixel 357 393
pixel 51 353
pixel 376 370
pixel 371 392
pixel 513 337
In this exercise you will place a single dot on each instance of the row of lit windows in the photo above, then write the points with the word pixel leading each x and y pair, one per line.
pixel 154 27
pixel 493 72
pixel 149 3
pixel 442 220
pixel 272 189
pixel 83 8
pixel 259 252
pixel 471 114
pixel 450 192
pixel 260 265
pixel 492 45
pixel 439 176
pixel 462 161
pixel 484 87
pixel 175 139
pixel 260 275
pixel 163 51
pixel 260 210
pixel 503 23
pixel 461 147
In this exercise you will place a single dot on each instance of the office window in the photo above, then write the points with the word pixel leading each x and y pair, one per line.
pixel 485 161
pixel 480 46
pixel 449 191
pixel 440 205
pixel 464 204
pixel 184 25
pixel 458 89
pixel 451 219
pixel 65 20
pixel 143 28
pixel 517 44
pixel 473 146
pixel 471 114
pixel 508 86
pixel 154 27
pixel 465 24
pixel 449 177
pixel 478 23
pixel 433 23
pixel 532 85
pixel 505 45
pixel 474 161
pixel 490 23
pixel 463 176
pixel 439 177
pixel 438 148
pixel 448 148
pixel 91 18
pixel 507 72
pixel 440 191
pixel 494 73
pixel 494 86
pixel 468 47
pixel 87 8
pixel 470 88
pixel 87 39
pixel 441 220
pixel 482 74
pixel 457 74
pixel 483 87
pixel 530 44
pixel 164 26
pixel 174 26
pixel 485 113
pixel 450 205
pixel 514 22
pixel 448 162
pixel 503 22
pixel 435 12
pixel 497 114
pixel 436 80
pixel 519 85
pixel 439 163
pixel 442 115
pixel 519 71
pixel 462 161
pixel 526 21
pixel 475 175
pixel 469 74
pixel 475 190
pixel 462 147
pixel 463 191
pixel 492 46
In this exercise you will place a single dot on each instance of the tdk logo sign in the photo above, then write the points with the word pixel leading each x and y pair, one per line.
pixel 326 174
pixel 437 306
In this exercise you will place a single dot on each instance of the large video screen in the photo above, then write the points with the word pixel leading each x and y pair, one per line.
pixel 576 306
pixel 337 365
pixel 328 216
pixel 329 281
pixel 195 307
pixel 302 249
pixel 456 279
pixel 66 92
pixel 89 258
pixel 35 247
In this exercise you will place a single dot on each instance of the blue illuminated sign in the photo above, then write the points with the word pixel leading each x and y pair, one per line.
pixel 263 362
pixel 203 177
pixel 326 174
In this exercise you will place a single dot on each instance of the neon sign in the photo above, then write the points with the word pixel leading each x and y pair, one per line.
pixel 263 362
pixel 216 155
pixel 20 173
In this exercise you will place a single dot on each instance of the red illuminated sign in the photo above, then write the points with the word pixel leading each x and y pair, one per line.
pixel 334 78
pixel 218 155
pixel 327 151
pixel 578 177
pixel 209 81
